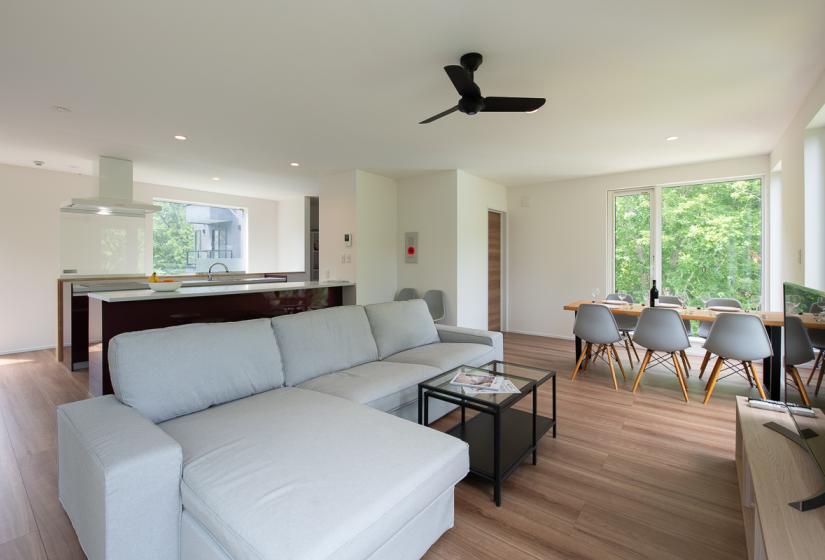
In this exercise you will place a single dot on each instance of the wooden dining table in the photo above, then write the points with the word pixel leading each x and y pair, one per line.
pixel 773 321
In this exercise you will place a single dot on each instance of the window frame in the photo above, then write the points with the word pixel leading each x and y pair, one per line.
pixel 655 192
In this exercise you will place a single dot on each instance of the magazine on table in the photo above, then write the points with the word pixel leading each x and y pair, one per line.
pixel 473 381
pixel 507 387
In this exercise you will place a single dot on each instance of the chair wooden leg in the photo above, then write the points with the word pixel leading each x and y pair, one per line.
pixel 712 380
pixel 678 368
pixel 639 375
pixel 797 379
pixel 627 348
pixel 821 373
pixel 705 361
pixel 757 381
pixel 579 362
pixel 618 361
pixel 686 362
pixel 612 370
pixel 587 356
pixel 633 347
pixel 813 371
pixel 747 374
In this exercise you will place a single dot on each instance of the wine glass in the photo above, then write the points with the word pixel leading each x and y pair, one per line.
pixel 595 294
pixel 622 297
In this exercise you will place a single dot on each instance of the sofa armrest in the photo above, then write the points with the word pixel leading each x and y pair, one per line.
pixel 461 334
pixel 119 481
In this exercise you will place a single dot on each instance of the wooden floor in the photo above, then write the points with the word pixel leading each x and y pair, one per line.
pixel 644 476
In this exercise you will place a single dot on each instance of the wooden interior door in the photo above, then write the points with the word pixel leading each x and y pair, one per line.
pixel 494 271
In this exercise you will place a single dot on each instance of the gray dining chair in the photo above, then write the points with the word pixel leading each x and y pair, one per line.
pixel 662 332
pixel 596 325
pixel 435 303
pixel 817 337
pixel 798 350
pixel 676 300
pixel 737 340
pixel 705 326
pixel 405 294
pixel 626 324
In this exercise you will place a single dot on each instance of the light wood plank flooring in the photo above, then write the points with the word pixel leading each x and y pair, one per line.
pixel 644 476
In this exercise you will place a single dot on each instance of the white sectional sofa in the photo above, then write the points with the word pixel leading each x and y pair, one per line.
pixel 252 440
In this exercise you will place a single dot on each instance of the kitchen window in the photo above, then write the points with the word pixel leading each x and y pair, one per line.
pixel 189 237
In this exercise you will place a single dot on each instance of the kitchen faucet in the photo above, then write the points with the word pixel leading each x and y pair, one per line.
pixel 225 268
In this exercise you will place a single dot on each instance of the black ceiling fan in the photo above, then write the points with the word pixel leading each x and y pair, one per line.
pixel 472 102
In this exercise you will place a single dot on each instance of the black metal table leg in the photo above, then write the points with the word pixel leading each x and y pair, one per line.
pixel 426 419
pixel 463 417
pixel 497 458
pixel 772 366
pixel 555 420
pixel 578 342
pixel 535 403
pixel 420 403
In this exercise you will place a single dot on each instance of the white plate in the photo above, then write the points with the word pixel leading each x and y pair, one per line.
pixel 724 308
pixel 164 286
pixel 669 305
pixel 614 302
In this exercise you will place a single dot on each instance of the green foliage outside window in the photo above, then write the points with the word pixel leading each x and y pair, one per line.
pixel 172 238
pixel 711 242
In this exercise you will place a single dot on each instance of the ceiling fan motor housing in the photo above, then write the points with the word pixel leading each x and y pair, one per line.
pixel 471 105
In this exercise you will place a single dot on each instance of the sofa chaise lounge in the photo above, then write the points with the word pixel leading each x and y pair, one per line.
pixel 269 439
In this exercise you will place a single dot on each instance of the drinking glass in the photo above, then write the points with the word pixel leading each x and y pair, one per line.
pixel 595 294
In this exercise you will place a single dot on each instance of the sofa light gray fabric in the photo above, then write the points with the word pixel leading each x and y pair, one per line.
pixel 317 342
pixel 385 386
pixel 447 355
pixel 448 333
pixel 400 325
pixel 293 473
pixel 119 481
pixel 165 373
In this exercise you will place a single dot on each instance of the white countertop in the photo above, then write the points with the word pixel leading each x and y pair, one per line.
pixel 139 295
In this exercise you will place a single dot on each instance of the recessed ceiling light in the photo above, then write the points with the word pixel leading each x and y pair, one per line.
pixel 216 178
pixel 672 138
pixel 531 112
pixel 104 212
pixel 294 163
pixel 180 137
pixel 61 109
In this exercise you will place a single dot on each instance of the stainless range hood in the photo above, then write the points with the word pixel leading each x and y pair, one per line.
pixel 116 193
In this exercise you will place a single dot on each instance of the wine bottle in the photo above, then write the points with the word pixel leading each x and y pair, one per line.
pixel 654 295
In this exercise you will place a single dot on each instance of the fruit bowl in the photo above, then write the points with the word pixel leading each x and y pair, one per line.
pixel 164 286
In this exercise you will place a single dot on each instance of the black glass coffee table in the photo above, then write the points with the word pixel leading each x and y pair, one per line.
pixel 501 437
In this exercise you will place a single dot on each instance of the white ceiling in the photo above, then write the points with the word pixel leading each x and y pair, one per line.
pixel 338 85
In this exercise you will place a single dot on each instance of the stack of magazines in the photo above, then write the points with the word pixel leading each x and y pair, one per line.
pixel 478 382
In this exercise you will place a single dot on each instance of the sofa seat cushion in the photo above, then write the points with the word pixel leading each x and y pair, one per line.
pixel 386 386
pixel 293 473
pixel 317 342
pixel 173 371
pixel 447 355
pixel 400 325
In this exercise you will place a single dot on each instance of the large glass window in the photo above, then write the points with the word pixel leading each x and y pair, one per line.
pixel 191 237
pixel 699 241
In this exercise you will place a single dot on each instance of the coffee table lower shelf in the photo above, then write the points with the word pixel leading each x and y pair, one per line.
pixel 516 440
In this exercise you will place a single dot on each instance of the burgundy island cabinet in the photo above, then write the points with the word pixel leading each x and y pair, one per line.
pixel 112 313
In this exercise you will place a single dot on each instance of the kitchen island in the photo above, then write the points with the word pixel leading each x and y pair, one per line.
pixel 115 312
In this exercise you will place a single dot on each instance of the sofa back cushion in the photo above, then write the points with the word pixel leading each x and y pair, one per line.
pixel 317 342
pixel 166 373
pixel 401 325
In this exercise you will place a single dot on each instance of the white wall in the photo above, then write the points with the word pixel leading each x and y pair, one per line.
pixel 291 235
pixel 815 208
pixel 557 238
pixel 789 152
pixel 375 245
pixel 337 216
pixel 428 204
pixel 30 244
pixel 476 196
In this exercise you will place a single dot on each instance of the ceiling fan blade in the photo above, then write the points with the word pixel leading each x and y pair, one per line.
pixel 439 115
pixel 462 81
pixel 512 104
